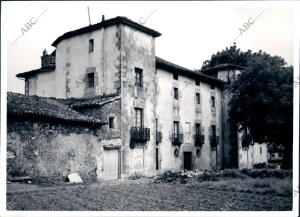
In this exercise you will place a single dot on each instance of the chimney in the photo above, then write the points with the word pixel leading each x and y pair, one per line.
pixel 103 18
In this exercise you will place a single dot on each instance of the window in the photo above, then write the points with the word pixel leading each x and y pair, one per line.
pixel 197 82
pixel 213 102
pixel 175 93
pixel 139 77
pixel 139 119
pixel 260 150
pixel 176 127
pixel 198 98
pixel 111 122
pixel 273 155
pixel 213 130
pixel 212 87
pixel 91 80
pixel 198 128
pixel 175 76
pixel 91 45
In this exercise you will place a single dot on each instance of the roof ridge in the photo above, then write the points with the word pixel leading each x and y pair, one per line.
pixel 106 23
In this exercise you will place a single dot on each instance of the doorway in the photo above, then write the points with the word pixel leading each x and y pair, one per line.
pixel 111 164
pixel 187 161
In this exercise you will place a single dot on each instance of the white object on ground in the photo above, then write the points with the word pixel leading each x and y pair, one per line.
pixel 74 178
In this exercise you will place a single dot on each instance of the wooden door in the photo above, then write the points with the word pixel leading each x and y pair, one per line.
pixel 111 164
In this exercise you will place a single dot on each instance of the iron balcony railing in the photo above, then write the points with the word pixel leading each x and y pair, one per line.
pixel 158 137
pixel 177 138
pixel 214 141
pixel 199 139
pixel 140 134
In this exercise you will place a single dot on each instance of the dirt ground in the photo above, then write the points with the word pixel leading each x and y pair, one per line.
pixel 139 195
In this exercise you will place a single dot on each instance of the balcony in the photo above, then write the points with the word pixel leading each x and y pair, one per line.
pixel 199 139
pixel 139 134
pixel 177 138
pixel 158 137
pixel 214 140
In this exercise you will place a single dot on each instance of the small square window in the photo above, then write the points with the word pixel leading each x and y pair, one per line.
pixel 197 82
pixel 176 93
pixel 111 122
pixel 175 76
pixel 91 45
pixel 91 80
pixel 139 77
pixel 198 98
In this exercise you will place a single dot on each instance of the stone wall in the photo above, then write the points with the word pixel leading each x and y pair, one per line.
pixel 103 112
pixel 40 149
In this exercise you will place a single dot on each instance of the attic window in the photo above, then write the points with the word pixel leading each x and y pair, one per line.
pixel 212 87
pixel 197 82
pixel 175 76
pixel 91 80
pixel 91 45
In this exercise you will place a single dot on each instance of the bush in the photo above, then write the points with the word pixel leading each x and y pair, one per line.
pixel 90 176
pixel 47 179
pixel 232 173
pixel 208 176
pixel 260 165
pixel 135 176
pixel 263 173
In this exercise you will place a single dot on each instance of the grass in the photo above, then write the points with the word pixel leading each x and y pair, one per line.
pixel 271 186
pixel 144 195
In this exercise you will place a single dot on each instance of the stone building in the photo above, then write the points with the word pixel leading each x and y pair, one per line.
pixel 159 116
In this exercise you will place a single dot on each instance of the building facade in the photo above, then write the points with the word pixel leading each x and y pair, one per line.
pixel 166 117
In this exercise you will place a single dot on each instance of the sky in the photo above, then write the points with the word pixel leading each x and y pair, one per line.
pixel 191 31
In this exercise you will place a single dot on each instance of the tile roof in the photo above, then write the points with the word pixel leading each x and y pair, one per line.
pixel 35 71
pixel 164 64
pixel 222 67
pixel 77 103
pixel 19 105
pixel 106 23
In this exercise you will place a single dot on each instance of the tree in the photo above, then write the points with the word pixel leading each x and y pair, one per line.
pixel 263 104
pixel 231 55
